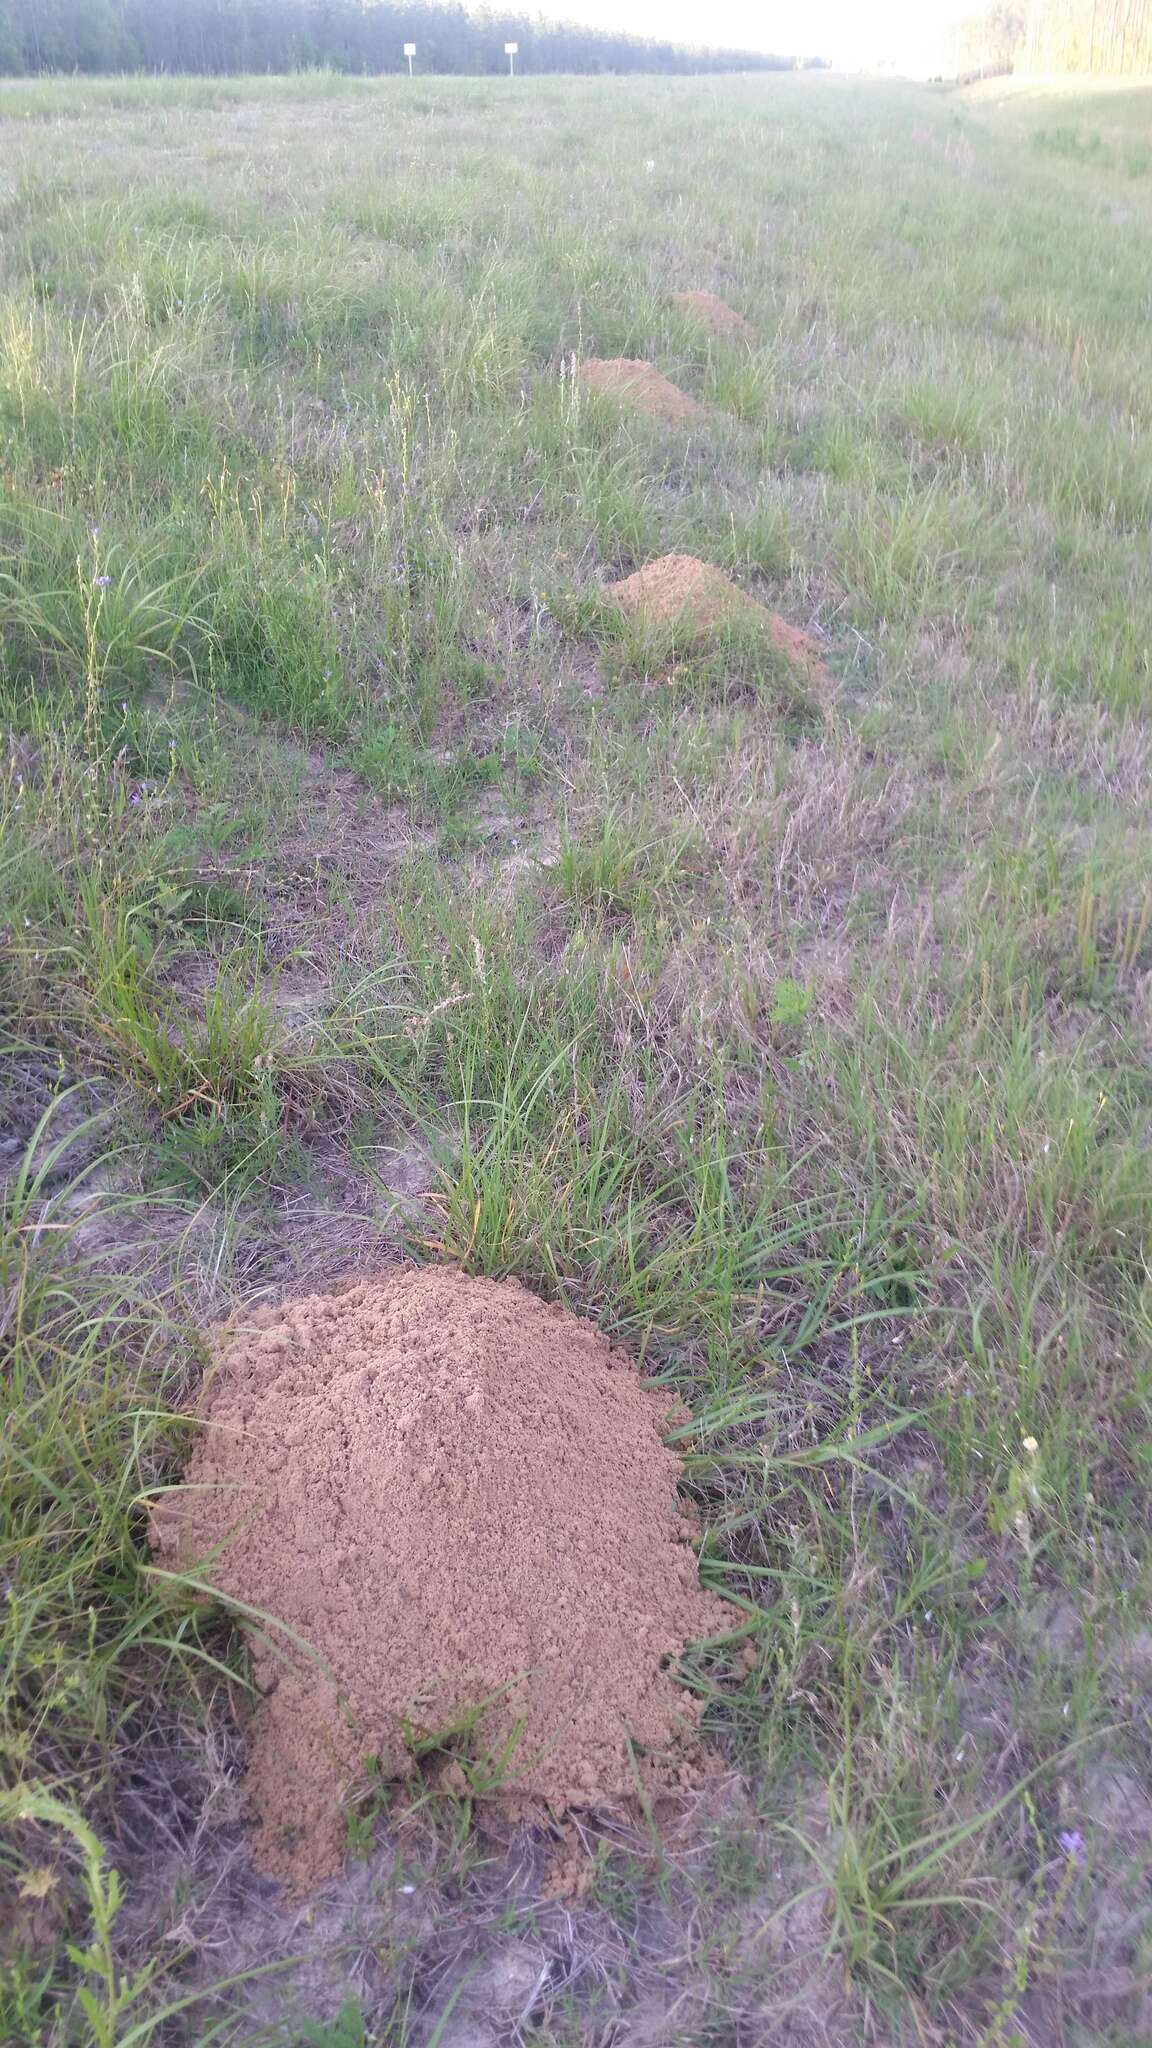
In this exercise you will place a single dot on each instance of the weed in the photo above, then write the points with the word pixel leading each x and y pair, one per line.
pixel 615 871
pixel 347 2030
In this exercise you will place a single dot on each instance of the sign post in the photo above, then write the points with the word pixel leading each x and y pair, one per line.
pixel 409 52
pixel 510 51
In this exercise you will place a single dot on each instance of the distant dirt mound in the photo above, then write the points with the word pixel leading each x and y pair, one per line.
pixel 679 590
pixel 459 1496
pixel 714 314
pixel 640 385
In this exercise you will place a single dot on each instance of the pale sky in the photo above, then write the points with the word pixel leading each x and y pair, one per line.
pixel 847 31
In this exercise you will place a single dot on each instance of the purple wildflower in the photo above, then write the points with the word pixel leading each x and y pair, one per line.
pixel 102 582
pixel 1072 1843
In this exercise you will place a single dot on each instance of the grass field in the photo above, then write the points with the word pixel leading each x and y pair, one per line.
pixel 363 894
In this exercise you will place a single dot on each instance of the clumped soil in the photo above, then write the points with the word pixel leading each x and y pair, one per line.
pixel 714 314
pixel 454 1493
pixel 640 385
pixel 681 591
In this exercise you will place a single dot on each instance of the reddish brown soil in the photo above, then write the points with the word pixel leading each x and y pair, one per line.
pixel 714 314
pixel 638 384
pixel 679 590
pixel 455 1494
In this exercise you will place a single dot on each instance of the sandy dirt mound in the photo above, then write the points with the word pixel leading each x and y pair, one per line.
pixel 638 384
pixel 712 313
pixel 679 590
pixel 450 1490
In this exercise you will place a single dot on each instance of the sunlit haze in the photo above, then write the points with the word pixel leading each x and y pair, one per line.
pixel 848 32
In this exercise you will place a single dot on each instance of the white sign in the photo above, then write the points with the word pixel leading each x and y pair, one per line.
pixel 511 49
pixel 409 49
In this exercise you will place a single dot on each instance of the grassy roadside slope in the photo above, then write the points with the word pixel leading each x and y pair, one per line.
pixel 362 896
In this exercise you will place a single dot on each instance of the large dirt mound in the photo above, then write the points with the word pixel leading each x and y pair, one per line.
pixel 455 1494
pixel 640 385
pixel 682 592
pixel 715 314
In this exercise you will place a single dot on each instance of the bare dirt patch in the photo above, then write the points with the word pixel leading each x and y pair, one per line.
pixel 460 1498
pixel 715 315
pixel 481 1948
pixel 682 592
pixel 641 386
pixel 341 842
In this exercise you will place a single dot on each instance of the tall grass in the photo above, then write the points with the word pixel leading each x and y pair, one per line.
pixel 94 1648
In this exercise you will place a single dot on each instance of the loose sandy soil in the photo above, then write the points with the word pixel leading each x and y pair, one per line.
pixel 637 384
pixel 715 314
pixel 458 1497
pixel 680 591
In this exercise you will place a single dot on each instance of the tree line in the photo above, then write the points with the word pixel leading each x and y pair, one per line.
pixel 226 36
pixel 1089 35
pixel 1113 36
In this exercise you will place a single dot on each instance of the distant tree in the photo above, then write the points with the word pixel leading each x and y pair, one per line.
pixel 1005 36
pixel 215 36
pixel 989 41
pixel 11 45
pixel 1055 35
pixel 1089 35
